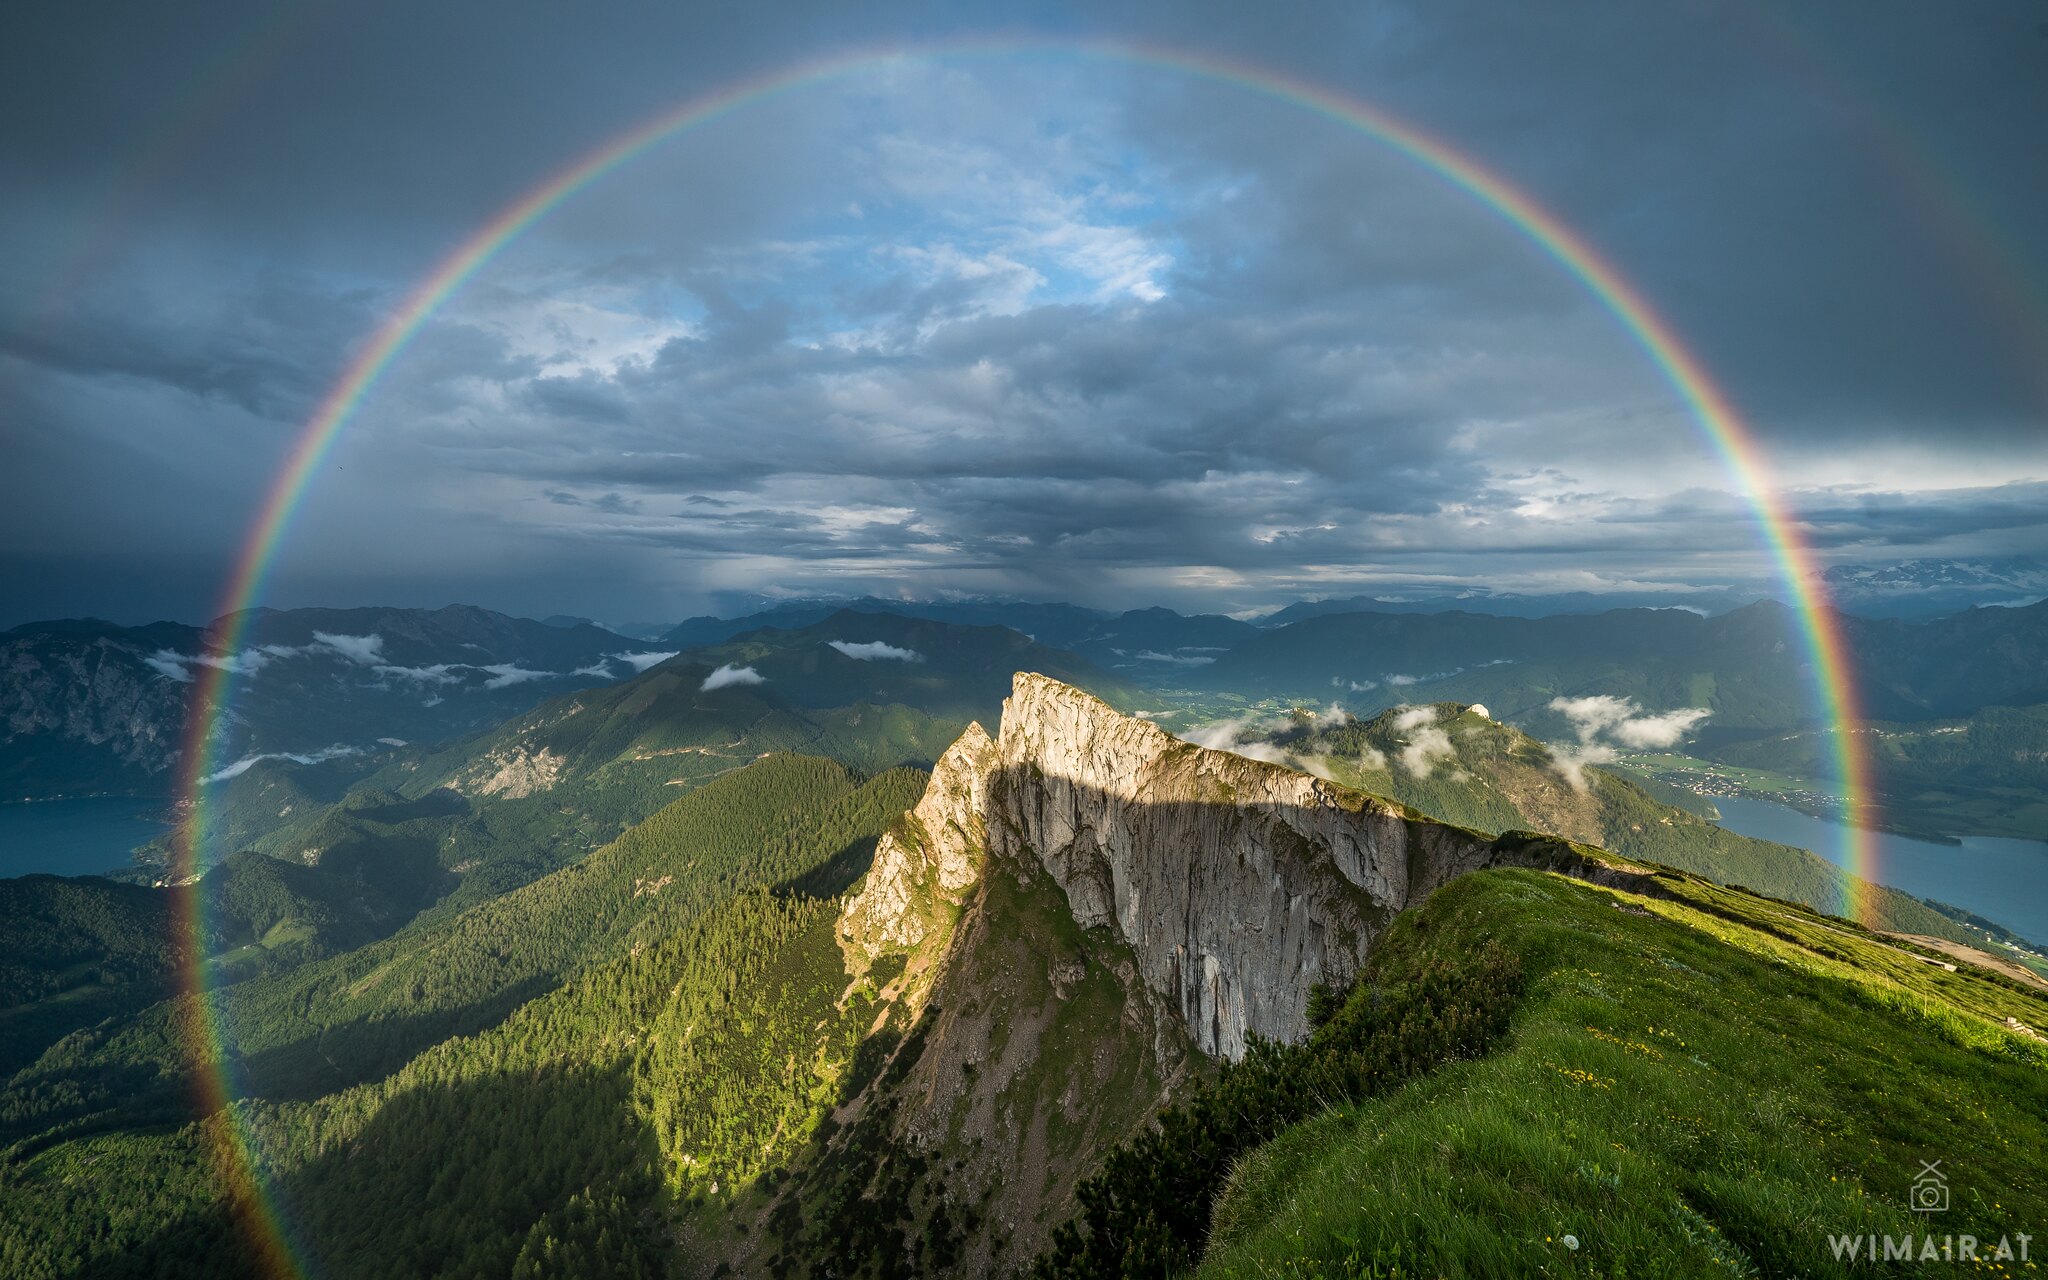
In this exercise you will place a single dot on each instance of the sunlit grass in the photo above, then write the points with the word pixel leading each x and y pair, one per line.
pixel 1683 1094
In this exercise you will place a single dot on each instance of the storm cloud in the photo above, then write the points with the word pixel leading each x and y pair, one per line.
pixel 1010 322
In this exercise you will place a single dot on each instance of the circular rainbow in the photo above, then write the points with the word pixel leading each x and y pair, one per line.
pixel 1710 407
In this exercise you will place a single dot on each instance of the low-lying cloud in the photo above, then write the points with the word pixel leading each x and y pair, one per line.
pixel 1604 723
pixel 875 651
pixel 1241 736
pixel 1178 659
pixel 242 766
pixel 731 675
pixel 365 651
pixel 1625 722
pixel 505 674
pixel 439 673
pixel 1426 743
pixel 641 661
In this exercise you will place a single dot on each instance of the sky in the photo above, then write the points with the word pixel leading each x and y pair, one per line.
pixel 985 315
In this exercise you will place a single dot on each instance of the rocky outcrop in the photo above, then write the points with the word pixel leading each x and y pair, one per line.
pixel 1236 885
pixel 512 774
pixel 82 713
pixel 925 863
pixel 1076 920
pixel 1088 911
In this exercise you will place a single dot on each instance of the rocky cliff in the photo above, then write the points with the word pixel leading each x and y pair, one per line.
pixel 1086 912
pixel 81 710
pixel 1236 885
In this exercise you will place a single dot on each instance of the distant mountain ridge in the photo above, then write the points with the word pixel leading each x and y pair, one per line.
pixel 1749 666
pixel 1917 589
pixel 1153 645
pixel 88 706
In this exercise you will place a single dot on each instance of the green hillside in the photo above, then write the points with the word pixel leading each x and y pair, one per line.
pixel 479 815
pixel 523 1030
pixel 653 1061
pixel 75 951
pixel 363 1013
pixel 1701 1085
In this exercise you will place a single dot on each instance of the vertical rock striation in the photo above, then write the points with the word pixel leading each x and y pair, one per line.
pixel 1085 908
pixel 1236 885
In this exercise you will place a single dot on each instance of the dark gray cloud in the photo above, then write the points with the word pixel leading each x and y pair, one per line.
pixel 1009 322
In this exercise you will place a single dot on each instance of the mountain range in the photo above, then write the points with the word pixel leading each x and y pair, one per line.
pixel 342 694
pixel 1085 1000
pixel 1749 668
pixel 90 707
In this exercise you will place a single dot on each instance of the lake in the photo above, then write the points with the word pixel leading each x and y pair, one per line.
pixel 1998 878
pixel 87 836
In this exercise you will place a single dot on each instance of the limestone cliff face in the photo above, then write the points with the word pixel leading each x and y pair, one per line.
pixel 1236 885
pixel 1087 909
pixel 926 862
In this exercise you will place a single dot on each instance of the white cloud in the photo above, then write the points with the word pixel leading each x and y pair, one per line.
pixel 1621 723
pixel 1184 660
pixel 641 661
pixel 731 675
pixel 242 766
pixel 1239 737
pixel 1479 709
pixel 365 650
pixel 504 675
pixel 439 673
pixel 1571 761
pixel 179 666
pixel 1647 733
pixel 1622 720
pixel 1413 717
pixel 166 663
pixel 392 742
pixel 874 650
pixel 1403 681
pixel 1426 743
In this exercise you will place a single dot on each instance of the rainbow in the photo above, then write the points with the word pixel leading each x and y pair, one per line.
pixel 1710 407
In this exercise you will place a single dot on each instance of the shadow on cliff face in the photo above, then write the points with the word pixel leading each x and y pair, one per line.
pixel 1090 974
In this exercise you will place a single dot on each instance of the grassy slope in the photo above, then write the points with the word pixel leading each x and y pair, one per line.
pixel 1683 1093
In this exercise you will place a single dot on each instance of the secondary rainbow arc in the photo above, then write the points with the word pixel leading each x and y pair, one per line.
pixel 1710 407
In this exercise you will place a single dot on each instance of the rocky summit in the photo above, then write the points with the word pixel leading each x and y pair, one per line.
pixel 1087 910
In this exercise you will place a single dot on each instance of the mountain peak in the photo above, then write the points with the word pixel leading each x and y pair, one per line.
pixel 1235 884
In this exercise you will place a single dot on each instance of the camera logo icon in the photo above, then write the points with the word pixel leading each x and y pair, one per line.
pixel 1929 1193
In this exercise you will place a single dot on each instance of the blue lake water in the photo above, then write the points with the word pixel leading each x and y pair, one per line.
pixel 82 837
pixel 2000 879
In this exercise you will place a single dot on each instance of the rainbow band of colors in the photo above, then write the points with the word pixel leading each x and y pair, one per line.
pixel 1709 406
